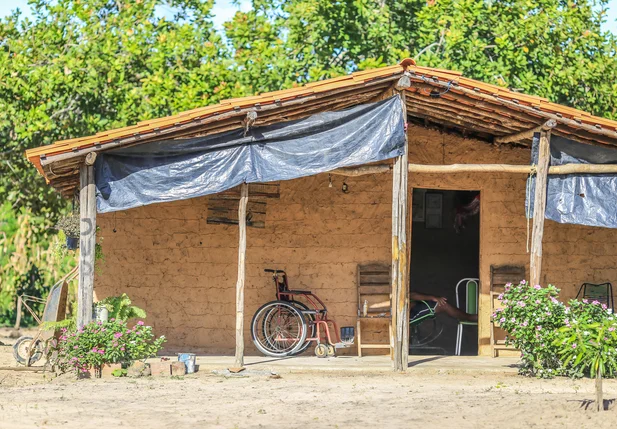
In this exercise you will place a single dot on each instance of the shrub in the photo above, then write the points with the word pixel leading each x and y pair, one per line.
pixel 542 327
pixel 122 308
pixel 589 345
pixel 100 343
pixel 531 316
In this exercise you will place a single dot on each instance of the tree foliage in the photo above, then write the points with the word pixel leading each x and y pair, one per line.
pixel 554 49
pixel 78 67
pixel 82 66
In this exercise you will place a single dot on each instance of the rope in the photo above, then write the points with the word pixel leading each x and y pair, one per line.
pixel 528 198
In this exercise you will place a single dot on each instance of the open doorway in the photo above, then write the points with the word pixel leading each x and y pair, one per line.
pixel 445 248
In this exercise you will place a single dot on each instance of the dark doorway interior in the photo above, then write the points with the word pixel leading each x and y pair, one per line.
pixel 445 249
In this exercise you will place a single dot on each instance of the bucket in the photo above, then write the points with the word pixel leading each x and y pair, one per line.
pixel 101 314
pixel 189 361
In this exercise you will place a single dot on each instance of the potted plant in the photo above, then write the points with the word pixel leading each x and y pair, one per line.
pixel 69 224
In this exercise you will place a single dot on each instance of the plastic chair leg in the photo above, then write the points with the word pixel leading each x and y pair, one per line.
pixel 459 337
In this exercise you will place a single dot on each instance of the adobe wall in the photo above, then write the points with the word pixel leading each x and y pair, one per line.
pixel 183 270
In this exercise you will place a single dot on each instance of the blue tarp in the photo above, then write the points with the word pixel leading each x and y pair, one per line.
pixel 583 199
pixel 180 169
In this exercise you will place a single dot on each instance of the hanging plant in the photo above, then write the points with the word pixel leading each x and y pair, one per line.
pixel 69 225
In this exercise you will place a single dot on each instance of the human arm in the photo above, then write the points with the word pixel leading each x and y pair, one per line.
pixel 416 296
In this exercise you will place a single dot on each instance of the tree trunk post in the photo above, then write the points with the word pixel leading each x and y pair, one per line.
pixel 244 196
pixel 599 395
pixel 87 241
pixel 400 286
pixel 539 207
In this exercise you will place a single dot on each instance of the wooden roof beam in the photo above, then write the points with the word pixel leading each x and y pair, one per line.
pixel 527 134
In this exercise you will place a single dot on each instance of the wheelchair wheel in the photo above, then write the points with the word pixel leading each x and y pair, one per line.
pixel 321 350
pixel 310 318
pixel 278 329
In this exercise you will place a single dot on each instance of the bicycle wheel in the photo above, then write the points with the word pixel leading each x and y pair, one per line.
pixel 278 329
pixel 425 333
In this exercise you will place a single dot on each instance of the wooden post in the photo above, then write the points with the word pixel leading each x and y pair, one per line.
pixel 400 286
pixel 244 196
pixel 539 207
pixel 87 241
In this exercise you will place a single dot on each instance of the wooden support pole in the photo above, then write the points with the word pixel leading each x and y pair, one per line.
pixel 513 169
pixel 362 170
pixel 244 196
pixel 87 241
pixel 539 207
pixel 400 286
pixel 527 134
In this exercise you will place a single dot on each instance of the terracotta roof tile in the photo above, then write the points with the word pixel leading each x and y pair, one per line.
pixel 315 88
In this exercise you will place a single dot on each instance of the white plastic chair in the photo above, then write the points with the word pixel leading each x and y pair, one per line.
pixel 472 289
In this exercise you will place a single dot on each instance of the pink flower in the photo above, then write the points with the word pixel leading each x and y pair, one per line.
pixel 539 328
pixel 140 323
pixel 122 348
pixel 102 352
pixel 500 297
pixel 523 282
pixel 75 347
pixel 537 287
pixel 503 319
pixel 611 329
pixel 524 323
pixel 596 302
pixel 94 349
pixel 604 307
pixel 573 346
pixel 521 304
pixel 117 334
pixel 586 301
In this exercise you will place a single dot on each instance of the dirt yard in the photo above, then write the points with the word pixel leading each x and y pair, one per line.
pixel 298 399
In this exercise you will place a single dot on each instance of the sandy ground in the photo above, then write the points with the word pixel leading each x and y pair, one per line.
pixel 295 398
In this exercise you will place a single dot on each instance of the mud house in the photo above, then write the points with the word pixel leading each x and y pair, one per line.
pixel 388 179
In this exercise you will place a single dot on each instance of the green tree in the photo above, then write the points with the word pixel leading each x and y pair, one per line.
pixel 554 49
pixel 82 66
pixel 281 43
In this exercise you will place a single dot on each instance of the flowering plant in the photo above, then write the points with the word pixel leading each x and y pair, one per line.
pixel 100 343
pixel 531 317
pixel 552 336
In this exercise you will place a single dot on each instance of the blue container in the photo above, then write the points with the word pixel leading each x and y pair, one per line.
pixel 72 243
pixel 189 361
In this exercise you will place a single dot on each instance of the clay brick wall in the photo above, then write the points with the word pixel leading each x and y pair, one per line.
pixel 183 270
